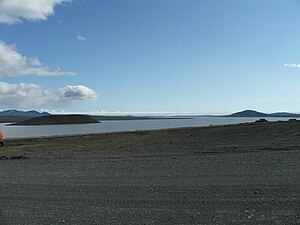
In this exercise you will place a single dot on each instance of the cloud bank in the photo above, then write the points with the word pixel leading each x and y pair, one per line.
pixel 15 11
pixel 292 65
pixel 12 63
pixel 28 96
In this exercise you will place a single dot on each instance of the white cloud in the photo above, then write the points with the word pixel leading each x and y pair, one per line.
pixel 12 63
pixel 14 11
pixel 77 92
pixel 32 96
pixel 53 111
pixel 292 65
pixel 80 38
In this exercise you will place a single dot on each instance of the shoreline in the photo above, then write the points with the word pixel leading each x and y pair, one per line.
pixel 119 126
pixel 115 127
pixel 178 135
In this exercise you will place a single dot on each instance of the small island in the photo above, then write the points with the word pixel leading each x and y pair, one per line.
pixel 56 120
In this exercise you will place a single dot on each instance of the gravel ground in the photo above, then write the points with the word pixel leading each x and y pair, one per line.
pixel 240 174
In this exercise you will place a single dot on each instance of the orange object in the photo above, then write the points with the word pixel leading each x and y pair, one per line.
pixel 1 135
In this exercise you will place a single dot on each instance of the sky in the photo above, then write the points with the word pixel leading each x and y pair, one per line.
pixel 150 56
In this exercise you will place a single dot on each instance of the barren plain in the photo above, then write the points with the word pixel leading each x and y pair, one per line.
pixel 234 174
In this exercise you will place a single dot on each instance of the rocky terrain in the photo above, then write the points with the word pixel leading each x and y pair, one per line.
pixel 235 174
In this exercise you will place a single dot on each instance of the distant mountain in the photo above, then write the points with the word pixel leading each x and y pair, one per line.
pixel 248 113
pixel 253 113
pixel 32 113
pixel 17 116
pixel 284 114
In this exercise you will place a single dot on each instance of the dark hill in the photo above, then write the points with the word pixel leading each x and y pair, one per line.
pixel 248 113
pixel 252 113
pixel 284 114
pixel 57 119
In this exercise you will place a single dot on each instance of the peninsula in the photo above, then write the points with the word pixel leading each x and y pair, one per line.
pixel 56 119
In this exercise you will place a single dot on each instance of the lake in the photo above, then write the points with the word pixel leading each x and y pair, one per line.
pixel 119 126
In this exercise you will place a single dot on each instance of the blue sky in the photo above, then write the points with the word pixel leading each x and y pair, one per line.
pixel 193 56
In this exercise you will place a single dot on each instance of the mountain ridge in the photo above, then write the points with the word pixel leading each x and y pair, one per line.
pixel 30 113
pixel 253 113
pixel 17 115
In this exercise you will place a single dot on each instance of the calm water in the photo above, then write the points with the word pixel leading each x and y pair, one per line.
pixel 115 126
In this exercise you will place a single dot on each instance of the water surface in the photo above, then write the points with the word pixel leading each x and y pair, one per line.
pixel 118 126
